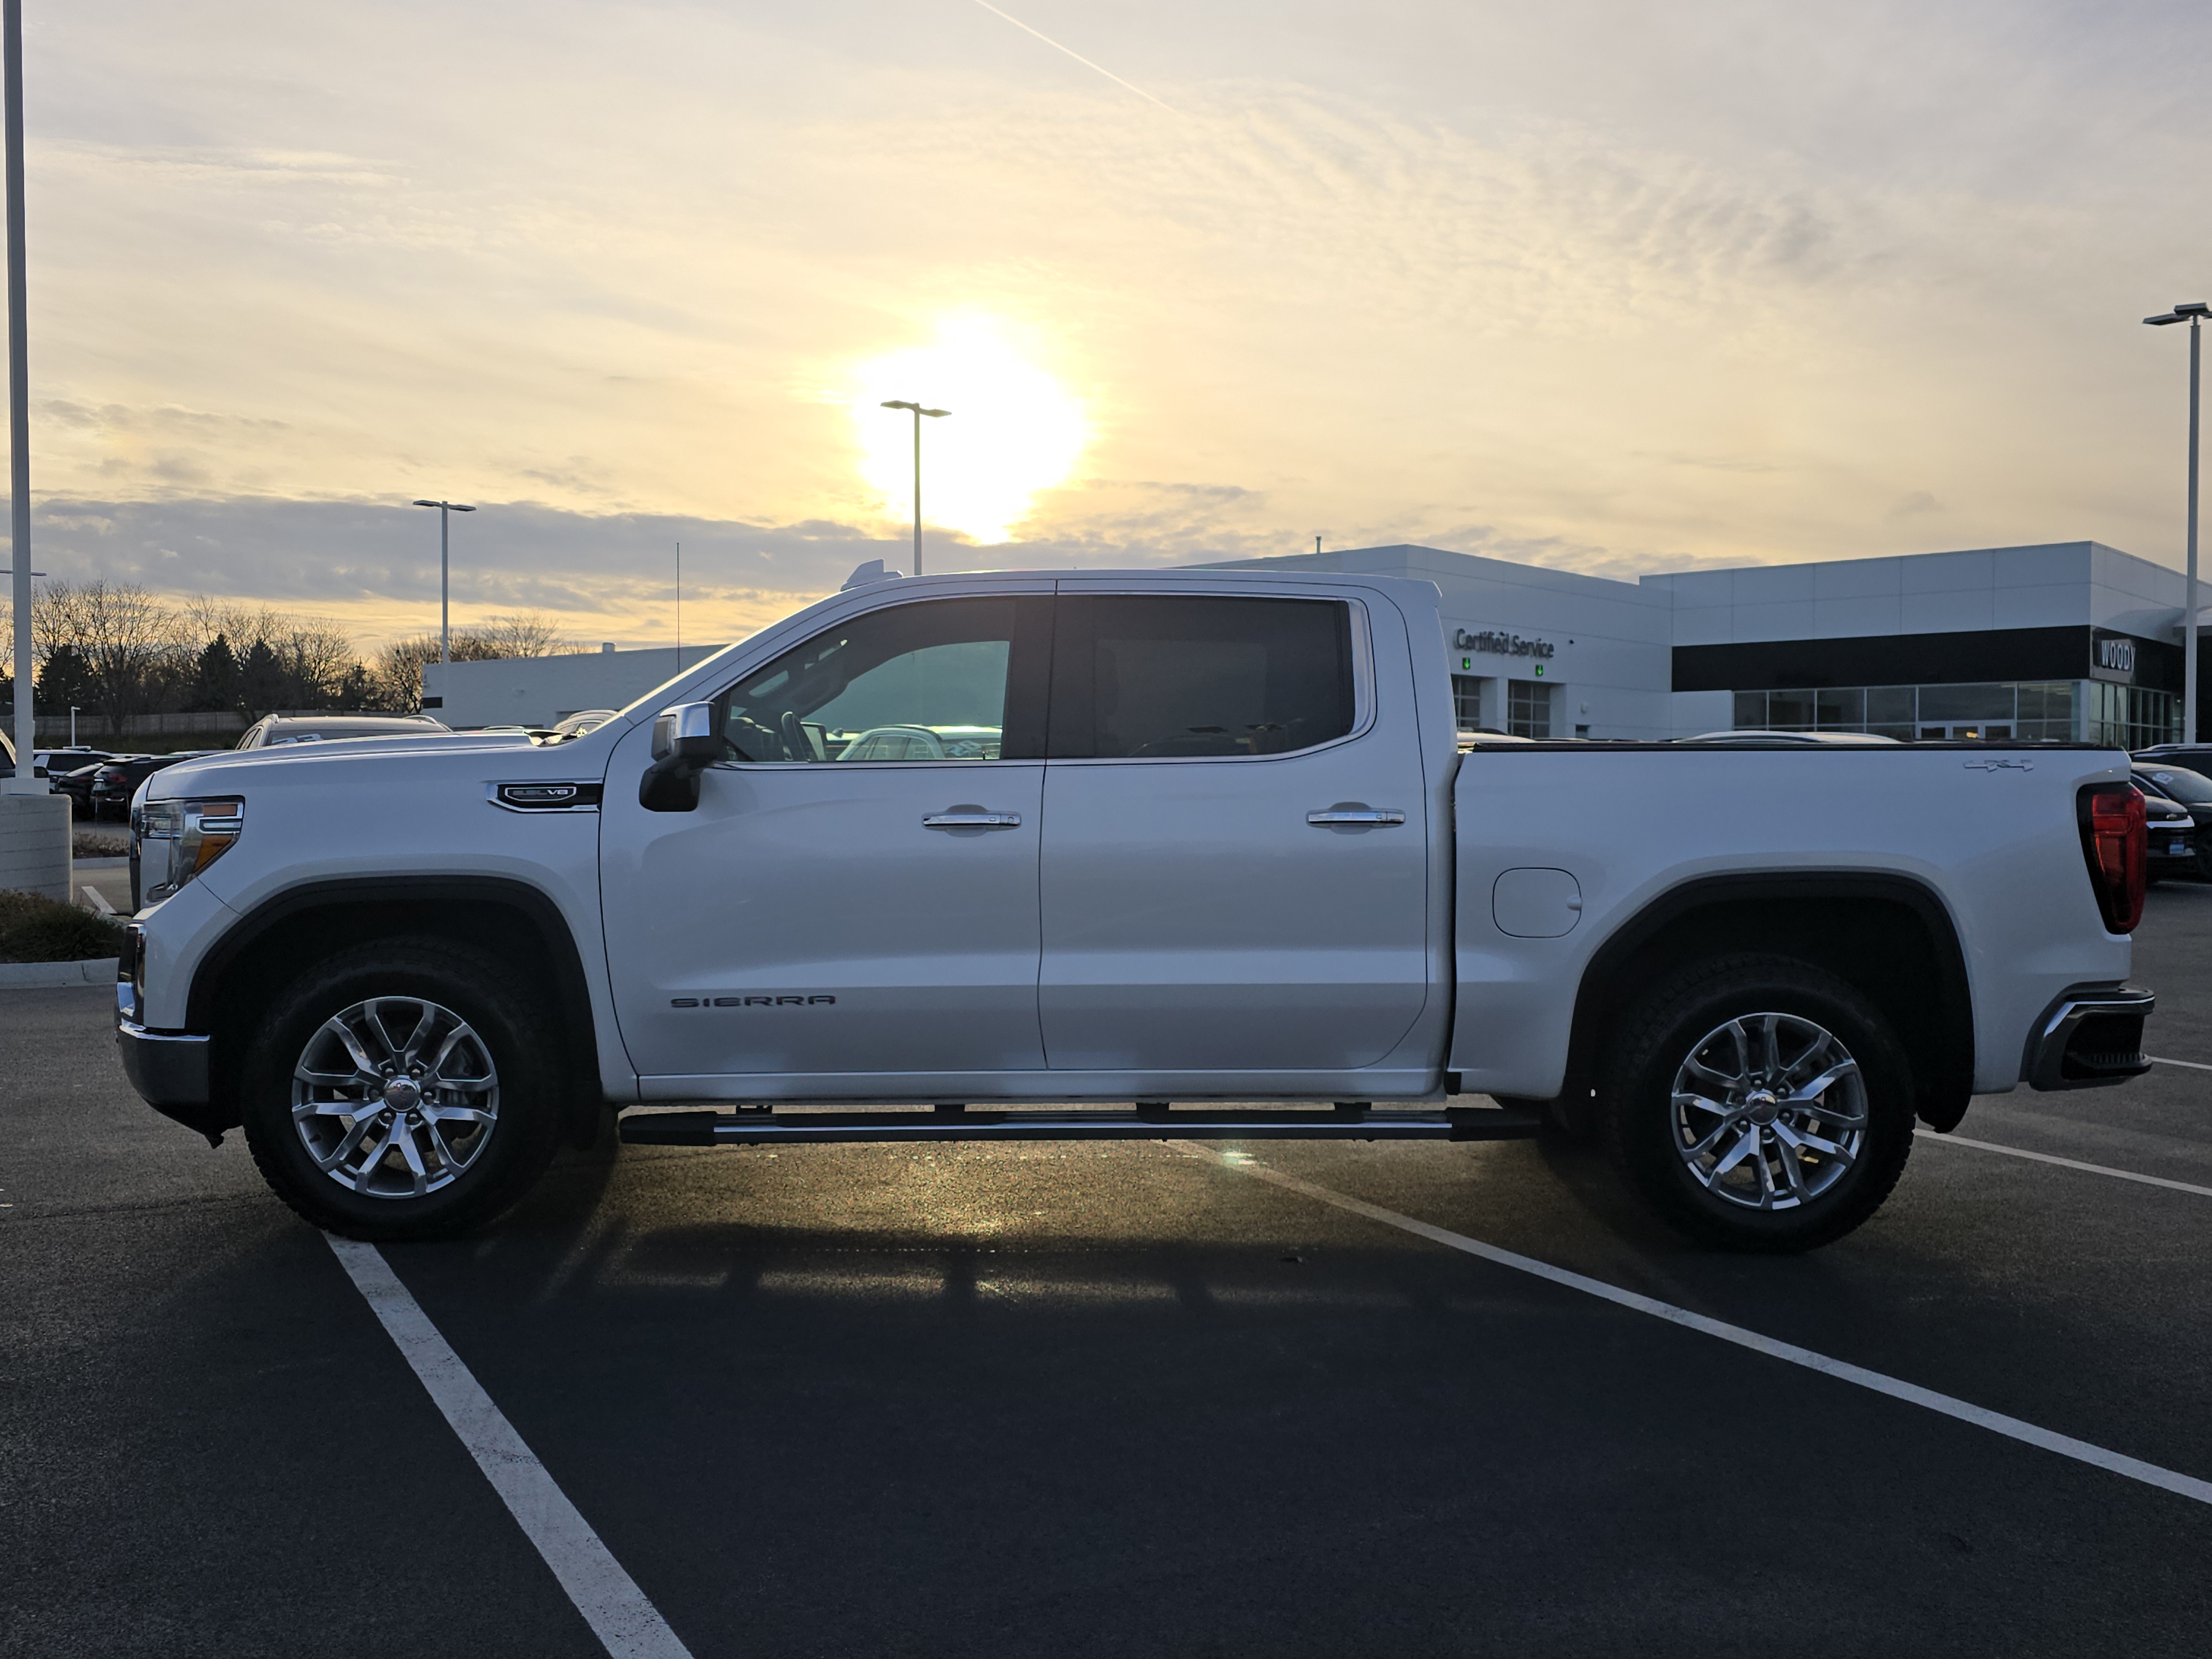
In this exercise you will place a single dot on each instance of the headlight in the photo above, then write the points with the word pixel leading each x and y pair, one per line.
pixel 174 839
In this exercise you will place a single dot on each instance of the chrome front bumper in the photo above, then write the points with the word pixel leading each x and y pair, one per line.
pixel 2090 1036
pixel 168 1068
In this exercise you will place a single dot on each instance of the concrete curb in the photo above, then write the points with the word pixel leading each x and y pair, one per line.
pixel 41 976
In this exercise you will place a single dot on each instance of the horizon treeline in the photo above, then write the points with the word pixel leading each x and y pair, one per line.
pixel 116 649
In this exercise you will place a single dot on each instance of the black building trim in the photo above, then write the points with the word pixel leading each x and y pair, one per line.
pixel 1966 658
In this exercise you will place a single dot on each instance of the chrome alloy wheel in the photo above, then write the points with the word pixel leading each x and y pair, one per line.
pixel 395 1096
pixel 1770 1111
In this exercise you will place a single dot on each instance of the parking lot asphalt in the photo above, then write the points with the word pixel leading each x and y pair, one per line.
pixel 1113 1399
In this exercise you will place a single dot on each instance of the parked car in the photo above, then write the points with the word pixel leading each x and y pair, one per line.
pixel 2189 790
pixel 2170 836
pixel 77 785
pixel 2197 757
pixel 1792 739
pixel 583 720
pixel 274 730
pixel 113 782
pixel 55 762
pixel 1229 853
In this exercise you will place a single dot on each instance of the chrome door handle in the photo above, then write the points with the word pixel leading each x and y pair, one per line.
pixel 972 821
pixel 1388 815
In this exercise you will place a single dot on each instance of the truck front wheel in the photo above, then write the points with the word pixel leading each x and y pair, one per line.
pixel 1759 1104
pixel 401 1090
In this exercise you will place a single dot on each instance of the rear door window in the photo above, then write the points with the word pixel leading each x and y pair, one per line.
pixel 1146 677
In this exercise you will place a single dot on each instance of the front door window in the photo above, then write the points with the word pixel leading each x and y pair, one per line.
pixel 928 682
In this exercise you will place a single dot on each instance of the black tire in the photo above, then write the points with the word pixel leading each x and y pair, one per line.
pixel 518 1041
pixel 1643 1130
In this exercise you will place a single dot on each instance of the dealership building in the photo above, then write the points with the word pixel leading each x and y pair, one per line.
pixel 2065 640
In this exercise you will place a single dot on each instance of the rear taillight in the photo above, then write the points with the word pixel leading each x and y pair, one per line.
pixel 2114 842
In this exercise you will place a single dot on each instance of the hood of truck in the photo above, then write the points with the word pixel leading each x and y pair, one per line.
pixel 357 762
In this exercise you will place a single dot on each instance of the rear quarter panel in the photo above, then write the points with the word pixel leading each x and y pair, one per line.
pixel 1997 846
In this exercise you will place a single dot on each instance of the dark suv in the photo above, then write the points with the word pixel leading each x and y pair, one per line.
pixel 2189 790
pixel 2196 757
pixel 113 784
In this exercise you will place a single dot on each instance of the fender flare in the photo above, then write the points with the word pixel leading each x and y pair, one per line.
pixel 562 960
pixel 1940 1099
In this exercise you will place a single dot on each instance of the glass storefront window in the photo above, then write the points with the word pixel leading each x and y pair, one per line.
pixel 1966 704
pixel 1841 710
pixel 2031 711
pixel 2130 716
pixel 1789 711
pixel 1891 705
pixel 1467 702
pixel 1529 710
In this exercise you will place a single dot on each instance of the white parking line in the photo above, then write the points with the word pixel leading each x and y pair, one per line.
pixel 2064 1445
pixel 2064 1163
pixel 2193 1065
pixel 628 1625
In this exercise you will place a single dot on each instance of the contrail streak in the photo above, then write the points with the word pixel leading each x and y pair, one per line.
pixel 1077 56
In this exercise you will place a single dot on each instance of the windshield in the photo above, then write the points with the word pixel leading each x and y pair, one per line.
pixel 2193 788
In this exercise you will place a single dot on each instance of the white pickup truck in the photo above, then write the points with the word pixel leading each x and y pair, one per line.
pixel 1119 855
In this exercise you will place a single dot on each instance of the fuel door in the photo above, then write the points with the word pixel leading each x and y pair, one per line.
pixel 1536 904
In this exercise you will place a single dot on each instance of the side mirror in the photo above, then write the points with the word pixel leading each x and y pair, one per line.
pixel 684 744
pixel 686 730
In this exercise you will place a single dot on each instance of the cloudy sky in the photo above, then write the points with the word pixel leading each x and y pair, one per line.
pixel 1618 286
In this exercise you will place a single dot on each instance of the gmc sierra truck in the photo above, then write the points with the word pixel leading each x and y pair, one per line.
pixel 1134 855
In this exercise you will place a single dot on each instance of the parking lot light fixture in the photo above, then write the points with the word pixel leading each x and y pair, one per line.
pixel 19 391
pixel 2193 314
pixel 445 610
pixel 933 414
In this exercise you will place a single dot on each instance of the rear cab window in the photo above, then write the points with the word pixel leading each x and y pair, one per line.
pixel 1171 677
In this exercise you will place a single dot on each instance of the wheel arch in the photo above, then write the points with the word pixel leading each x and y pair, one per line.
pixel 288 930
pixel 1890 935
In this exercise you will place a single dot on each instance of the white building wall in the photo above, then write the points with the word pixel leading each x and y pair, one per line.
pixel 1696 712
pixel 539 691
pixel 2050 585
pixel 1612 666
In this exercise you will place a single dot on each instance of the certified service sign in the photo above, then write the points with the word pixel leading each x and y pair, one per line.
pixel 1493 642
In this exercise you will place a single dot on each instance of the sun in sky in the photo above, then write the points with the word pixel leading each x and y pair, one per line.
pixel 1012 431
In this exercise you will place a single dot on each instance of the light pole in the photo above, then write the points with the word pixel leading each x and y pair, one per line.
pixel 73 708
pixel 445 611
pixel 919 412
pixel 19 385
pixel 2194 314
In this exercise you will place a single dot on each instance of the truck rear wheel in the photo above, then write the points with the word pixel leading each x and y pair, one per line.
pixel 1759 1104
pixel 402 1089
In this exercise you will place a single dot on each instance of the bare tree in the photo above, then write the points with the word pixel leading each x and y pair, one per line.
pixel 526 634
pixel 141 655
pixel 398 674
pixel 129 640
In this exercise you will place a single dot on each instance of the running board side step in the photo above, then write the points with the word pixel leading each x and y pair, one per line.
pixel 763 1126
